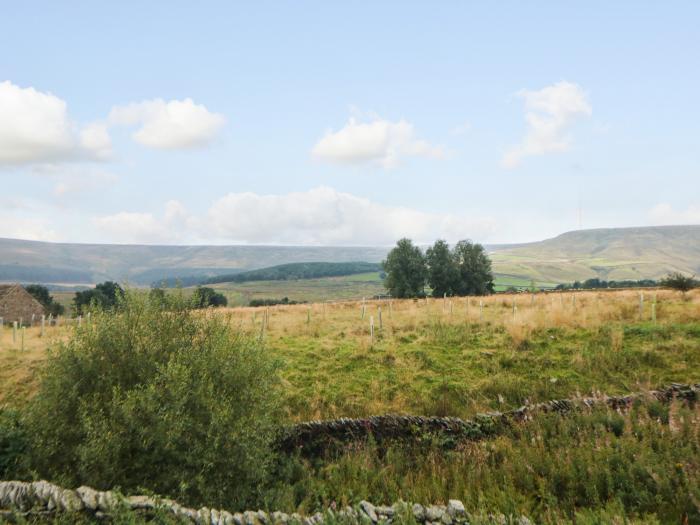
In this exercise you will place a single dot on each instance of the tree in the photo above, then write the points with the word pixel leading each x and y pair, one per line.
pixel 105 295
pixel 443 275
pixel 161 398
pixel 204 297
pixel 680 282
pixel 474 268
pixel 405 270
pixel 41 294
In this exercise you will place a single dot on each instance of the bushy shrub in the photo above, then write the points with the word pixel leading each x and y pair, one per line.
pixel 204 297
pixel 156 396
pixel 13 444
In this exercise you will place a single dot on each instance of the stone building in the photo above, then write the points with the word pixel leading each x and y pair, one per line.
pixel 17 304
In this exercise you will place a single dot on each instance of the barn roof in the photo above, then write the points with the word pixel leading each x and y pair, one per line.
pixel 5 288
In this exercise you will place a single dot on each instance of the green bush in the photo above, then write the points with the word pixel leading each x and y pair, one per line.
pixel 13 444
pixel 156 396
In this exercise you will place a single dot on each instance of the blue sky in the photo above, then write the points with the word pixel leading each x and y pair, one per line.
pixel 346 123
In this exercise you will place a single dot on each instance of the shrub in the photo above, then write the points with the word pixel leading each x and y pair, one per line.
pixel 680 282
pixel 159 397
pixel 204 297
pixel 13 444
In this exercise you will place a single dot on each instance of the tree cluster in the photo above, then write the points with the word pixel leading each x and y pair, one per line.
pixel 204 297
pixel 462 270
pixel 42 294
pixel 104 295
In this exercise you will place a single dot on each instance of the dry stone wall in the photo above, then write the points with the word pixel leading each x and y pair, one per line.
pixel 314 437
pixel 40 498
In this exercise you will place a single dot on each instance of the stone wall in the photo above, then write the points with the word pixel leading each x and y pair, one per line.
pixel 315 437
pixel 38 499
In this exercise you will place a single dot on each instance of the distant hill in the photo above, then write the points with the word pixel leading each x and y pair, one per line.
pixel 611 253
pixel 615 253
pixel 65 263
pixel 286 272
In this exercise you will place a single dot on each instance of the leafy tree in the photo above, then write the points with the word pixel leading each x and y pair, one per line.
pixel 443 275
pixel 41 294
pixel 157 296
pixel 405 270
pixel 474 267
pixel 680 282
pixel 204 297
pixel 161 398
pixel 105 295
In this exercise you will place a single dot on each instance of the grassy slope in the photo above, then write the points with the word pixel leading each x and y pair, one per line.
pixel 620 253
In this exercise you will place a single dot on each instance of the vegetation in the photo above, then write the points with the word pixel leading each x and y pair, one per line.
pixel 285 272
pixel 204 297
pixel 405 270
pixel 433 357
pixel 41 294
pixel 272 302
pixel 104 295
pixel 464 270
pixel 680 282
pixel 597 284
pixel 158 398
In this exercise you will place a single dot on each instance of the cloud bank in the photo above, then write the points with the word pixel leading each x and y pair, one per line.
pixel 320 216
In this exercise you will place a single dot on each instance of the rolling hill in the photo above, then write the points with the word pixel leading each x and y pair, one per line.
pixel 615 253
pixel 611 253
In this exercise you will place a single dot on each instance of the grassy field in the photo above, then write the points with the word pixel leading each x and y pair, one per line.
pixel 463 356
pixel 448 357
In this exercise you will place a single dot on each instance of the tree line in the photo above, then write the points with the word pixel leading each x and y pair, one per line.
pixel 464 269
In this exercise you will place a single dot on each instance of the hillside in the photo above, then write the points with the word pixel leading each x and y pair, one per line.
pixel 616 253
pixel 142 264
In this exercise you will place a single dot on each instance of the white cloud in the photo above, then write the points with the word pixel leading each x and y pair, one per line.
pixel 136 227
pixel 549 113
pixel 664 213
pixel 35 127
pixel 379 141
pixel 320 216
pixel 177 124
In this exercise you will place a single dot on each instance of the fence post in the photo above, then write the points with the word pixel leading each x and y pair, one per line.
pixel 14 332
pixel 641 306
pixel 43 325
pixel 371 329
pixel 481 310
pixel 379 311
pixel 23 331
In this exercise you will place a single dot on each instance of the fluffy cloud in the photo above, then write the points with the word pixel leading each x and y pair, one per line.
pixel 139 227
pixel 35 127
pixel 320 216
pixel 378 141
pixel 177 124
pixel 664 213
pixel 549 113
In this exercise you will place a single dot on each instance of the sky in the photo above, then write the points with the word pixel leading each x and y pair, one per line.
pixel 346 123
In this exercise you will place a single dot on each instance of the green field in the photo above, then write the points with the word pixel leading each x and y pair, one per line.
pixel 450 358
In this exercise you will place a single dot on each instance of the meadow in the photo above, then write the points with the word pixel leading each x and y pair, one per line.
pixel 464 356
pixel 448 356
